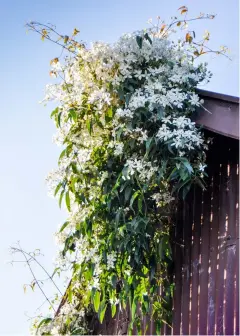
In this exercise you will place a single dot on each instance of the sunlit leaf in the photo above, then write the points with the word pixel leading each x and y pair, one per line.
pixel 96 300
pixel 67 200
pixel 76 31
pixel 64 226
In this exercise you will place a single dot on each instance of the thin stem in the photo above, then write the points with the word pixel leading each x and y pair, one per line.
pixel 36 281
pixel 49 39
pixel 32 257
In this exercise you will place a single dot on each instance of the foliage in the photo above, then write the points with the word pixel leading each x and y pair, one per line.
pixel 130 150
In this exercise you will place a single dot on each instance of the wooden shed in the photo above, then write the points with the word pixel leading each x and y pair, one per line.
pixel 206 272
pixel 205 238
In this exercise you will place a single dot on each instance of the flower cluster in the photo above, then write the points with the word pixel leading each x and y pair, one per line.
pixel 123 117
pixel 143 169
pixel 181 133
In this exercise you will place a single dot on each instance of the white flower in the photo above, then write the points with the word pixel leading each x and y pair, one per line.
pixel 194 100
pixel 114 301
pixel 181 153
pixel 121 113
pixel 162 198
pixel 127 272
pixel 202 167
pixel 111 258
pixel 183 133
pixel 55 331
pixel 144 168
pixel 118 149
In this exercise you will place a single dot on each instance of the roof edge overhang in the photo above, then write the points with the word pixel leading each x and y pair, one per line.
pixel 219 114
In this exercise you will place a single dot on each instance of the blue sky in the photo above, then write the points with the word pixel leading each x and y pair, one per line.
pixel 27 214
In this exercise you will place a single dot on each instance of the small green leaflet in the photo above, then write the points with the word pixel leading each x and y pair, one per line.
pixel 96 301
pixel 60 198
pixel 59 119
pixel 57 188
pixel 188 166
pixel 147 37
pixel 73 114
pixel 67 200
pixel 102 310
pixel 89 126
pixel 63 226
pixel 139 41
pixel 61 155
pixel 113 309
pixel 134 308
pixel 135 195
pixel 127 193
pixel 44 321
pixel 55 111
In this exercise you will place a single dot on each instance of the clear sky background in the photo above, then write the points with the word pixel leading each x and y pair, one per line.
pixel 27 152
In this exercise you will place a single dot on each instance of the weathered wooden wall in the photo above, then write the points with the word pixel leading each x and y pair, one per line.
pixel 206 299
pixel 206 254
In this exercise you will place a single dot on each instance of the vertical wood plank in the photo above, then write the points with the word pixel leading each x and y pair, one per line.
pixel 187 236
pixel 203 276
pixel 213 251
pixel 237 259
pixel 178 274
pixel 221 251
pixel 230 249
pixel 197 205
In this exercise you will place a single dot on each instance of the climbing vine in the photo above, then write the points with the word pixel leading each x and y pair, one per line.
pixel 130 150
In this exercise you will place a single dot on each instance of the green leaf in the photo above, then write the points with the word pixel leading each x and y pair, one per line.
pixel 55 111
pixel 70 294
pixel 140 200
pixel 89 126
pixel 67 200
pixel 188 166
pixel 60 198
pixel 147 37
pixel 113 308
pixel 61 155
pixel 134 308
pixel 160 112
pixel 158 327
pixel 152 265
pixel 127 98
pixel 57 188
pixel 69 149
pixel 183 174
pixel 64 226
pixel 118 215
pixel 74 168
pixel 135 195
pixel 57 270
pixel 44 321
pixel 114 281
pixel 96 301
pixel 148 145
pixel 186 190
pixel 59 119
pixel 73 114
pixel 109 114
pixel 127 193
pixel 170 148
pixel 102 310
pixel 146 303
pixel 139 41
pixel 174 174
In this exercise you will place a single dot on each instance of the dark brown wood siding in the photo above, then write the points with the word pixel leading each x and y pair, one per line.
pixel 205 253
